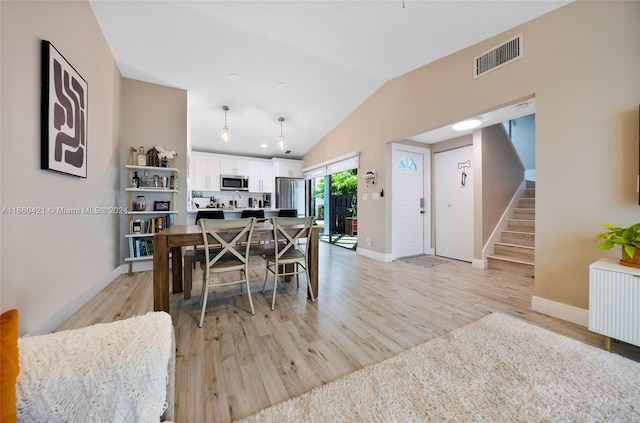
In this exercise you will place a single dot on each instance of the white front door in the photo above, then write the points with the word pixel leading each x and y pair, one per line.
pixel 410 234
pixel 453 183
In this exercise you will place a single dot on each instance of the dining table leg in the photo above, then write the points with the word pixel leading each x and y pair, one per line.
pixel 176 267
pixel 160 273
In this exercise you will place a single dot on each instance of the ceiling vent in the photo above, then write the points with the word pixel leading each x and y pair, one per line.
pixel 498 56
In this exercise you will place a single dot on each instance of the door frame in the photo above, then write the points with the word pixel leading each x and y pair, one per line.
pixel 426 192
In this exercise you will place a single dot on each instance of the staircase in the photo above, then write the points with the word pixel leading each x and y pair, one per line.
pixel 515 253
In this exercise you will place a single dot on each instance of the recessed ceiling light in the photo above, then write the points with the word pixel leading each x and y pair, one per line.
pixel 281 85
pixel 233 77
pixel 263 145
pixel 467 124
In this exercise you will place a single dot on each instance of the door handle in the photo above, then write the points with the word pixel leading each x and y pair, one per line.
pixel 422 205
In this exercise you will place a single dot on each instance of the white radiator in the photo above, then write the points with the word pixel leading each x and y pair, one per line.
pixel 614 301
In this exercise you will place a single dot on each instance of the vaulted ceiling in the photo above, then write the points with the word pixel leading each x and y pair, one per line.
pixel 311 62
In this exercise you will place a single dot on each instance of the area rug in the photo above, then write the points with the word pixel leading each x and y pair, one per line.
pixel 497 369
pixel 424 260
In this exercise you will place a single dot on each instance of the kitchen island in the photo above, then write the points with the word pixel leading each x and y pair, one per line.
pixel 229 213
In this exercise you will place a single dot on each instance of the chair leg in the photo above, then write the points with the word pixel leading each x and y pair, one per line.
pixel 205 294
pixel 275 286
pixel 266 272
pixel 246 278
pixel 313 300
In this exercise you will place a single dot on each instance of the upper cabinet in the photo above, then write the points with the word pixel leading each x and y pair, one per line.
pixel 261 176
pixel 230 165
pixel 287 168
pixel 204 172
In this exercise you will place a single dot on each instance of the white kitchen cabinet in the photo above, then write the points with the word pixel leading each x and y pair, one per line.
pixel 230 165
pixel 287 168
pixel 204 172
pixel 261 176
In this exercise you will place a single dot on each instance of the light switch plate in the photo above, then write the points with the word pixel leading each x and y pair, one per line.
pixel 375 196
pixel 365 196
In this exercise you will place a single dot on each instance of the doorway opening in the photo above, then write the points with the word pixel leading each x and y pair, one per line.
pixel 334 204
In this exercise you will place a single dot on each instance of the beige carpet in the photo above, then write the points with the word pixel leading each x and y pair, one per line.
pixel 498 369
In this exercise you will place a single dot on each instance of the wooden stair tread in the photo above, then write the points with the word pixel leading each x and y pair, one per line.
pixel 511 259
pixel 507 244
pixel 518 232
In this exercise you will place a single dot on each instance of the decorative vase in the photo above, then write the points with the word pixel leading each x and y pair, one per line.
pixel 631 262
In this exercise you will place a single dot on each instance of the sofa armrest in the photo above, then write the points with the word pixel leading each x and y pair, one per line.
pixel 110 372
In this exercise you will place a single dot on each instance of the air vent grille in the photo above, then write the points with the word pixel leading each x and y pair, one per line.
pixel 498 56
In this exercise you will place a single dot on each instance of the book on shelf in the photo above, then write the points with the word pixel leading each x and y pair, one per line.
pixel 152 225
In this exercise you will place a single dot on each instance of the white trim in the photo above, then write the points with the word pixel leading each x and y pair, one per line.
pixel 138 266
pixel 59 318
pixel 503 222
pixel 331 161
pixel 375 255
pixel 480 264
pixel 572 314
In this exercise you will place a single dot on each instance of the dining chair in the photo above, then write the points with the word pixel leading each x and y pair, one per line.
pixel 288 257
pixel 288 213
pixel 227 252
pixel 191 257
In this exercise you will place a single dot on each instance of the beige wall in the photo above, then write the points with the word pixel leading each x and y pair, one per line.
pixel 50 260
pixel 502 175
pixel 153 115
pixel 582 64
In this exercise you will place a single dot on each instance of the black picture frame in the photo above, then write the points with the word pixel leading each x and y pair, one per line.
pixel 161 205
pixel 64 115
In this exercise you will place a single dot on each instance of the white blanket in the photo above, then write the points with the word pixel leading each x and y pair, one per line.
pixel 113 372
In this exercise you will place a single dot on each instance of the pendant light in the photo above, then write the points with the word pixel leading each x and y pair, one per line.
pixel 224 133
pixel 281 142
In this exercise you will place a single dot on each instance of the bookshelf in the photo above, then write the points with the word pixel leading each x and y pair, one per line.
pixel 152 206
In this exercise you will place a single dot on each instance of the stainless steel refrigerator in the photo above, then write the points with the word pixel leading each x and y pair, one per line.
pixel 291 194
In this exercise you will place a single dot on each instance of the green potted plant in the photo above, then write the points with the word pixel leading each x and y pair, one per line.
pixel 628 238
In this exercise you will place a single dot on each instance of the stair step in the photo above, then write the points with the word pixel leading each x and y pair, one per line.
pixel 527 239
pixel 521 225
pixel 515 251
pixel 529 193
pixel 527 202
pixel 523 213
pixel 512 266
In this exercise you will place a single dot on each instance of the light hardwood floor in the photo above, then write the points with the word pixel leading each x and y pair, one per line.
pixel 367 311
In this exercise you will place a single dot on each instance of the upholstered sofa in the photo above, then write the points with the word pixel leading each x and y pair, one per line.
pixel 112 372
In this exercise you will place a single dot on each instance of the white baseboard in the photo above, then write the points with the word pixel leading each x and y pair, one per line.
pixel 59 318
pixel 375 255
pixel 572 314
pixel 139 266
pixel 480 264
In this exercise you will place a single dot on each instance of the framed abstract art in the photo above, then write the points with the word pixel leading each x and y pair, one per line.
pixel 64 115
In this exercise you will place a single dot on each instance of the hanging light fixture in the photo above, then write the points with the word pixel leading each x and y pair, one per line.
pixel 224 133
pixel 281 142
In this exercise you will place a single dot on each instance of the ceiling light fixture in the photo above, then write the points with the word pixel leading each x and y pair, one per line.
pixel 281 142
pixel 224 133
pixel 467 124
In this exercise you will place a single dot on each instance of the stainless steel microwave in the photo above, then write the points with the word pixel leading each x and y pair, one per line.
pixel 234 182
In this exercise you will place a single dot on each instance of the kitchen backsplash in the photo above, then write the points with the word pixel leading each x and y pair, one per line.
pixel 225 197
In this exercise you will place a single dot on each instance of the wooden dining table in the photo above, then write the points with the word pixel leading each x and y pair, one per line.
pixel 167 248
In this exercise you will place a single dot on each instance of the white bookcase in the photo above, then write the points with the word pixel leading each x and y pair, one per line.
pixel 160 208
